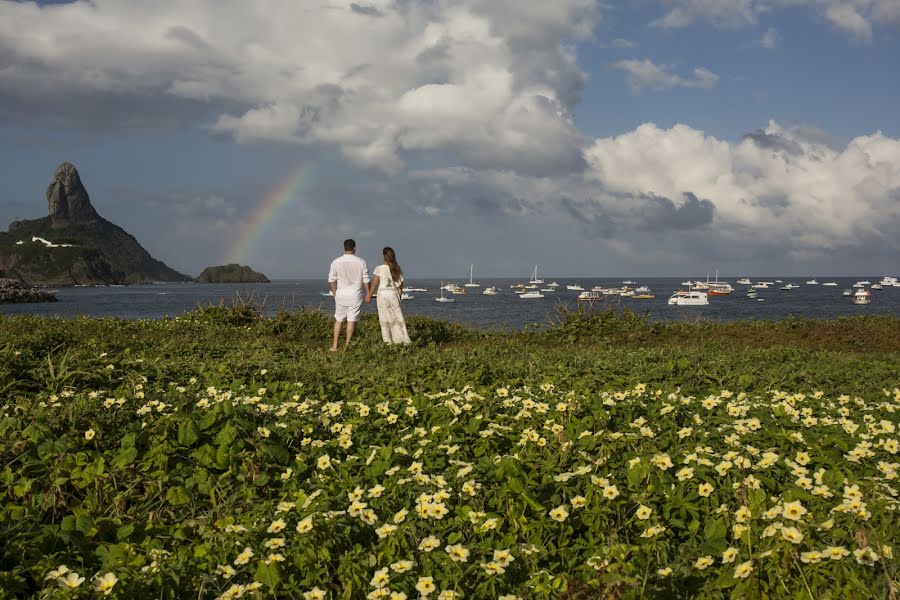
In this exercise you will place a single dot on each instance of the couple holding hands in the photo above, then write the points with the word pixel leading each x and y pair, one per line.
pixel 349 279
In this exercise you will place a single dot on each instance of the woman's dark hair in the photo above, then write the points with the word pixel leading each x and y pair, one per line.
pixel 390 259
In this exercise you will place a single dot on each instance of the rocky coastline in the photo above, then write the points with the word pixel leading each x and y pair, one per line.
pixel 16 292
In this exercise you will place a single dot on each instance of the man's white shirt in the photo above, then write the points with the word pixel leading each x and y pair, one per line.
pixel 350 272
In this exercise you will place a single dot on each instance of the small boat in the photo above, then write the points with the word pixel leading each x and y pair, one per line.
pixel 862 297
pixel 789 286
pixel 778 281
pixel 642 290
pixel 532 294
pixel 548 289
pixel 889 281
pixel 762 285
pixel 720 289
pixel 628 282
pixel 442 297
pixel 590 296
pixel 876 286
pixel 743 281
pixel 472 283
pixel 490 291
pixel 553 285
pixel 688 298
pixel 626 293
pixel 812 282
pixel 534 277
pixel 688 282
pixel 405 296
pixel 848 292
pixel 643 296
pixel 575 288
pixel 829 284
pixel 860 284
pixel 752 294
pixel 865 282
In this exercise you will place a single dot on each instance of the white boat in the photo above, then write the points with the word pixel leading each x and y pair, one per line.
pixel 865 282
pixel 534 277
pixel 548 289
pixel 688 282
pixel 598 288
pixel 812 282
pixel 829 284
pixel 590 296
pixel 490 291
pixel 405 296
pixel 848 292
pixel 416 289
pixel 860 284
pixel 443 298
pixel 471 282
pixel 889 281
pixel 688 298
pixel 531 295
pixel 626 293
pixel 762 285
pixel 575 288
pixel 628 282
pixel 862 297
pixel 752 293
pixel 642 290
pixel 876 286
pixel 553 285
pixel 743 281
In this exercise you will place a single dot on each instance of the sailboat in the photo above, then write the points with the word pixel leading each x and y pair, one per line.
pixel 442 298
pixel 534 277
pixel 472 283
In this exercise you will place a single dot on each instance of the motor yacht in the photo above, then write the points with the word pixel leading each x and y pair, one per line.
pixel 575 288
pixel 812 282
pixel 528 295
pixel 862 297
pixel 743 281
pixel 590 296
pixel 688 298
pixel 829 284
pixel 490 291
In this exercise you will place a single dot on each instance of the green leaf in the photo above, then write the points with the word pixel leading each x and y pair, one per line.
pixel 124 457
pixel 176 496
pixel 267 574
pixel 188 433
pixel 124 531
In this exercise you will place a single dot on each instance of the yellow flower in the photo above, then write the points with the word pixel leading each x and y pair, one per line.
pixel 811 557
pixel 276 526
pixel 792 534
pixel 743 569
pixel 793 510
pixel 503 557
pixel 836 552
pixel 305 525
pixel 457 553
pixel 703 562
pixel 323 462
pixel 430 543
pixel 425 585
pixel 402 566
pixel 380 579
pixel 611 492
pixel 664 572
pixel 274 543
pixel 685 473
pixel 729 555
pixel 643 512
pixel 244 557
pixel 89 434
pixel 578 502
pixel 705 490
pixel 70 581
pixel 559 513
pixel 742 514
pixel 314 594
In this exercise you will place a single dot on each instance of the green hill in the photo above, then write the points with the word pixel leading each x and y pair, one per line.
pixel 232 273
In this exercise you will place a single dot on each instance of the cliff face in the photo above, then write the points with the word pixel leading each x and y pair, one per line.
pixel 232 273
pixel 75 245
pixel 67 199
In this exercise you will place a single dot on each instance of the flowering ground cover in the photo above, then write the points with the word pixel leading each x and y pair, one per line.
pixel 478 468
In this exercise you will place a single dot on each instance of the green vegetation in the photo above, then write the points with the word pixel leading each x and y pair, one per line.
pixel 221 454
pixel 231 273
pixel 102 253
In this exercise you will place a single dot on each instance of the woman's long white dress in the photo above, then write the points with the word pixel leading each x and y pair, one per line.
pixel 393 327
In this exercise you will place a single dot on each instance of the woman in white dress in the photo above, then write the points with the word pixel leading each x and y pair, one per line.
pixel 387 281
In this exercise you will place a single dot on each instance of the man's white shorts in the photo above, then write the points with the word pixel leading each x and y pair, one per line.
pixel 347 312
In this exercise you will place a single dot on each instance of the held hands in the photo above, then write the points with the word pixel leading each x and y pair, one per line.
pixel 368 298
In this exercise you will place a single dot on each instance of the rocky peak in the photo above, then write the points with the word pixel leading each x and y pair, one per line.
pixel 67 199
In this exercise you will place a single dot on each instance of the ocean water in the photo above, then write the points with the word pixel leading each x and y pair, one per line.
pixel 503 311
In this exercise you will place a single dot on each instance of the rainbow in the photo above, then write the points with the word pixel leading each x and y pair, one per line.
pixel 279 197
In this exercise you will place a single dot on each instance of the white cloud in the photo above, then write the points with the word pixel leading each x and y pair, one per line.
pixel 846 17
pixel 645 74
pixel 492 81
pixel 769 40
pixel 726 13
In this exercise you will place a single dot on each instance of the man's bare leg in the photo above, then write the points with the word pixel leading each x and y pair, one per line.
pixel 351 327
pixel 337 335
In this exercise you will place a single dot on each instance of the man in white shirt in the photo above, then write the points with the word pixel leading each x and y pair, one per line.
pixel 349 281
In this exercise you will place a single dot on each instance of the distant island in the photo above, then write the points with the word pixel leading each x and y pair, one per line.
pixel 16 292
pixel 73 245
pixel 232 273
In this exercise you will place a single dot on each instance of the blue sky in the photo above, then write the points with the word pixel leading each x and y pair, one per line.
pixel 593 138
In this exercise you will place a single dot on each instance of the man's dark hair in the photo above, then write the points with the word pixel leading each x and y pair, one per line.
pixel 349 245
